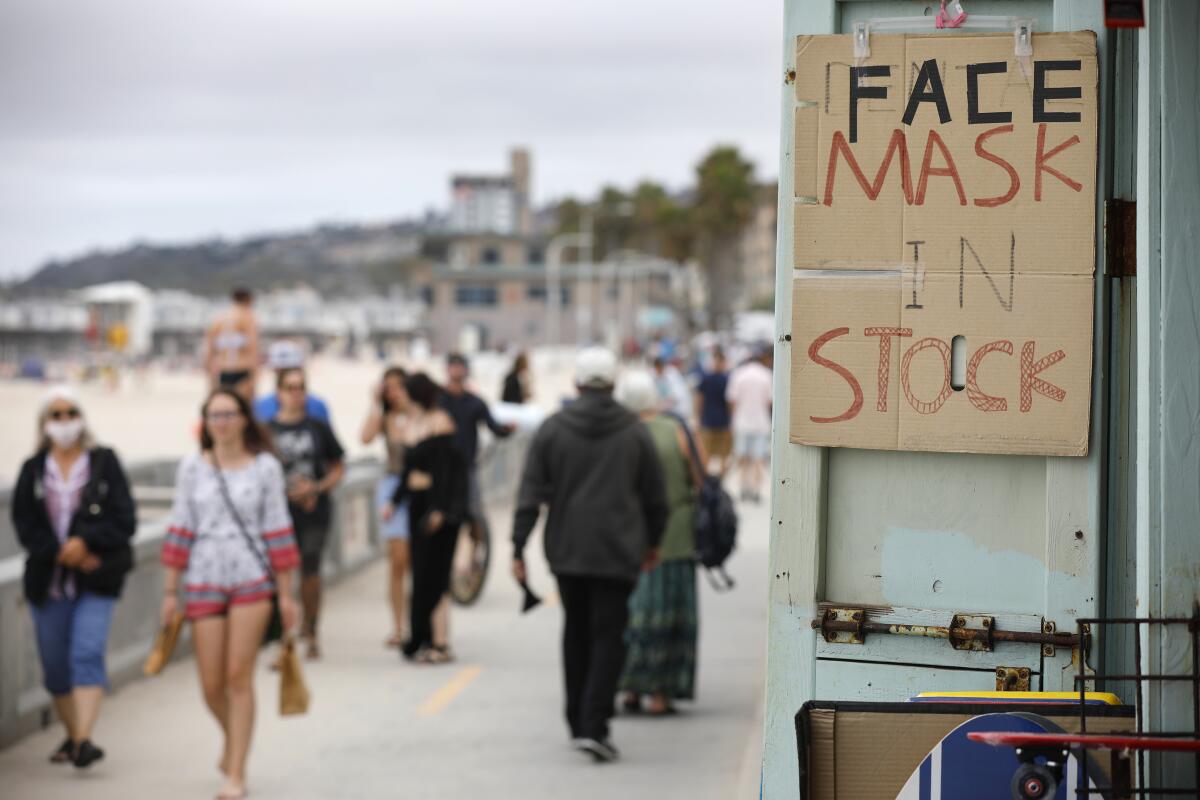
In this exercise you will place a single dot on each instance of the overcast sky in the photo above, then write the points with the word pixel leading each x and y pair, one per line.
pixel 175 121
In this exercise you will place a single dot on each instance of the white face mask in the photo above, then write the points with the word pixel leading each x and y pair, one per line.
pixel 64 433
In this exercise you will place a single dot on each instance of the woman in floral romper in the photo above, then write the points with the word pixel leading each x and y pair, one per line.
pixel 226 584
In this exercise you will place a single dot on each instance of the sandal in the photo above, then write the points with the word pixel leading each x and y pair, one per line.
pixel 227 793
pixel 313 653
pixel 64 753
pixel 395 640
pixel 436 654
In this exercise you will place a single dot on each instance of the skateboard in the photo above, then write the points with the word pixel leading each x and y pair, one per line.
pixel 961 766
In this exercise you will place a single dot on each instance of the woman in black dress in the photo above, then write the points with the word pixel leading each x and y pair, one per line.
pixel 434 483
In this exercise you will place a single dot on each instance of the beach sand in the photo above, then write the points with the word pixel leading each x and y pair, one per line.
pixel 156 415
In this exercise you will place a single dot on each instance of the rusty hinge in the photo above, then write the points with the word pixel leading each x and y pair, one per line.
pixel 1012 679
pixel 1120 238
pixel 840 625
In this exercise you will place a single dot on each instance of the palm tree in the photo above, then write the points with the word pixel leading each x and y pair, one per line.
pixel 725 194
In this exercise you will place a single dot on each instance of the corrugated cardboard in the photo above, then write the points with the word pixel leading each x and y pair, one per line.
pixel 866 751
pixel 958 233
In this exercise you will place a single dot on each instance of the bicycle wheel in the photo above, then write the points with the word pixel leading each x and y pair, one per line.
pixel 466 584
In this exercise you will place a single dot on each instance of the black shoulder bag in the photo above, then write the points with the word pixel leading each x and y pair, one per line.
pixel 275 626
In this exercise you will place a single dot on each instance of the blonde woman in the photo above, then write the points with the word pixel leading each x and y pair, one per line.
pixel 230 546
pixel 663 619
pixel 387 420
pixel 74 517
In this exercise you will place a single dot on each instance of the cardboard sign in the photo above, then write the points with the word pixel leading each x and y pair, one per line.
pixel 944 188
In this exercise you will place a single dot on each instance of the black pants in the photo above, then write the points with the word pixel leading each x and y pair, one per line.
pixel 432 558
pixel 597 610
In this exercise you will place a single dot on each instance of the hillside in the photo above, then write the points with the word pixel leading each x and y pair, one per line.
pixel 336 260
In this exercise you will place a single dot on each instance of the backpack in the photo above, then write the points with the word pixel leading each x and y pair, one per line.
pixel 716 521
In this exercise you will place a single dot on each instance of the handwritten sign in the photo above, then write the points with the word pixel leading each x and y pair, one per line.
pixel 944 188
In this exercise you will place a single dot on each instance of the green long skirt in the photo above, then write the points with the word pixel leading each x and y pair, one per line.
pixel 661 637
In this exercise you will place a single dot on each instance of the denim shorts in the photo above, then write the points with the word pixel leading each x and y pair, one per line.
pixel 752 444
pixel 72 636
pixel 397 526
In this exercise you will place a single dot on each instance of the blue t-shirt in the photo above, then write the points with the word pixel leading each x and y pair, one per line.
pixel 714 408
pixel 267 406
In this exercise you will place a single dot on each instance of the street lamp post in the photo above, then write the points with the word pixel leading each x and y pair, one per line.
pixel 554 280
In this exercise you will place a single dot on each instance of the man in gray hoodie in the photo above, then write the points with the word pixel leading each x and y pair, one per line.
pixel 594 466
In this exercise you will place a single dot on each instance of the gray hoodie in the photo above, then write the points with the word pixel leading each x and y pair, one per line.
pixel 594 465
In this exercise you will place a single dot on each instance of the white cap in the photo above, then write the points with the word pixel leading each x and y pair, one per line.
pixel 637 392
pixel 285 354
pixel 60 391
pixel 595 368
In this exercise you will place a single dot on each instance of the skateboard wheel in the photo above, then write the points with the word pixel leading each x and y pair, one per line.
pixel 1034 782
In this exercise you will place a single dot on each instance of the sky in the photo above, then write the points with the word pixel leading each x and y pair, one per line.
pixel 144 120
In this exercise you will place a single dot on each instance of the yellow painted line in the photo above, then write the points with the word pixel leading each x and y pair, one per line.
pixel 443 696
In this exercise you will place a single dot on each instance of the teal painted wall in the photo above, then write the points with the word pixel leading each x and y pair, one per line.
pixel 1168 469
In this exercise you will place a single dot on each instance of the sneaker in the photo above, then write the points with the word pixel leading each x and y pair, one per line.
pixel 86 754
pixel 601 750
pixel 64 753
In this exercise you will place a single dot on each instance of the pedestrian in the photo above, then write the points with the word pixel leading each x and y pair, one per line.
pixel 469 411
pixel 74 516
pixel 749 397
pixel 281 355
pixel 672 388
pixel 518 383
pixel 231 346
pixel 434 484
pixel 230 539
pixel 663 617
pixel 594 465
pixel 312 459
pixel 387 419
pixel 712 410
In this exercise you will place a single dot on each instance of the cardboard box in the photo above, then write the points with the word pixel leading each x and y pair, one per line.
pixel 944 188
pixel 866 751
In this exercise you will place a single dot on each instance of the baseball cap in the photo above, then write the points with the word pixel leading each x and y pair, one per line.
pixel 285 355
pixel 60 392
pixel 595 367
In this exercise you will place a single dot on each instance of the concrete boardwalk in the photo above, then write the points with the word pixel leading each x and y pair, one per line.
pixel 488 725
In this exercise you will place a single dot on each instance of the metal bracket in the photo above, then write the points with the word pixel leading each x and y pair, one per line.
pixel 1012 679
pixel 972 632
pixel 850 631
pixel 1120 238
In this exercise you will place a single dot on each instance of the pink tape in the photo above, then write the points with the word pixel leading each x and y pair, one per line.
pixel 943 20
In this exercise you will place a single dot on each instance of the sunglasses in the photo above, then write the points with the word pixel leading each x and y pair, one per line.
pixel 223 416
pixel 59 415
pixel 293 387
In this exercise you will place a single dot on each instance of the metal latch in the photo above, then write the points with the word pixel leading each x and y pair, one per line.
pixel 842 625
pixel 972 632
pixel 1012 679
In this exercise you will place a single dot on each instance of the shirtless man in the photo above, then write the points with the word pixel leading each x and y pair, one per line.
pixel 231 346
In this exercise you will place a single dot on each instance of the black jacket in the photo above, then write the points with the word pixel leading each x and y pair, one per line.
pixel 512 392
pixel 106 521
pixel 442 460
pixel 595 466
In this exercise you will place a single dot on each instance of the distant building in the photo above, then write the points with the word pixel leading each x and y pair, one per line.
pixel 491 292
pixel 498 204
pixel 172 323
pixel 757 253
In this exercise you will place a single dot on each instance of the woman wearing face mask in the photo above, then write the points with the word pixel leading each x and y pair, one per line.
pixel 74 516
pixel 230 539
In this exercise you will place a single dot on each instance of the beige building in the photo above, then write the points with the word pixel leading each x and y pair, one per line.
pixel 490 292
pixel 757 252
